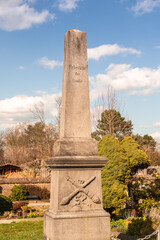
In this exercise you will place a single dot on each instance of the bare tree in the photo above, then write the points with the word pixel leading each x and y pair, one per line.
pixel 1 148
pixel 107 118
pixel 38 111
pixel 15 144
pixel 51 136
pixel 108 101
pixel 27 142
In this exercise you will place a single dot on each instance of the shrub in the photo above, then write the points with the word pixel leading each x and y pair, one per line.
pixel 18 193
pixel 18 205
pixel 41 214
pixel 8 214
pixel 32 215
pixel 33 190
pixel 140 227
pixel 153 214
pixel 5 204
pixel 118 225
pixel 147 204
pixel 129 214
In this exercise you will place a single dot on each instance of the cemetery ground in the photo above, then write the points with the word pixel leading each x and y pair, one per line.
pixel 22 231
pixel 24 219
pixel 22 228
pixel 25 222
pixel 33 230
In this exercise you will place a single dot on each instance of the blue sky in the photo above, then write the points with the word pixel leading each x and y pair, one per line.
pixel 123 39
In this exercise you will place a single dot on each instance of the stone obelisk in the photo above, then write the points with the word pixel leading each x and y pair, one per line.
pixel 76 210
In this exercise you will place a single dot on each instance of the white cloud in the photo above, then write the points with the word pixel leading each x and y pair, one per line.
pixel 46 63
pixel 20 68
pixel 156 135
pixel 40 92
pixel 157 124
pixel 18 15
pixel 68 5
pixel 109 50
pixel 145 6
pixel 122 77
pixel 157 47
pixel 144 126
pixel 16 109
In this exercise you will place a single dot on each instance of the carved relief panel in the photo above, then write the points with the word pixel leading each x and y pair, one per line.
pixel 79 191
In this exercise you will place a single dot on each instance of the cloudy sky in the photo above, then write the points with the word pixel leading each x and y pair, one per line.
pixel 123 38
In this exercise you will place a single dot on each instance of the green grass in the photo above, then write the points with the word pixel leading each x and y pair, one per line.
pixel 22 231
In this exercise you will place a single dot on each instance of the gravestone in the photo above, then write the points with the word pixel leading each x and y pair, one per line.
pixel 76 209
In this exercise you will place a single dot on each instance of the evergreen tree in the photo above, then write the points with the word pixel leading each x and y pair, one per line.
pixel 145 141
pixel 124 159
pixel 137 158
pixel 113 123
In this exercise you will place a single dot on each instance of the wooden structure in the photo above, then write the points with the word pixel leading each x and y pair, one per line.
pixel 9 168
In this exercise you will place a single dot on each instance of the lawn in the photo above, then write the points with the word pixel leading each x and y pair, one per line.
pixel 22 231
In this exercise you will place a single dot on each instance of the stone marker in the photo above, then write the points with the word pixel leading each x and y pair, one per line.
pixel 76 209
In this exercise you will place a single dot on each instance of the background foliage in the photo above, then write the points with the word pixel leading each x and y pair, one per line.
pixel 18 193
pixel 5 204
pixel 124 158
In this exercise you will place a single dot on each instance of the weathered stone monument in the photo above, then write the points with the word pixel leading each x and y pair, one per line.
pixel 76 210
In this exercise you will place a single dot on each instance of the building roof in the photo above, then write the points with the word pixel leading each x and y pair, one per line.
pixel 9 164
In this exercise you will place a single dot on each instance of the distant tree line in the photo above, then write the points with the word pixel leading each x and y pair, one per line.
pixel 27 142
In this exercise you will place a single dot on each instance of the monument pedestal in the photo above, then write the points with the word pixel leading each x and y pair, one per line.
pixel 76 210
pixel 77 225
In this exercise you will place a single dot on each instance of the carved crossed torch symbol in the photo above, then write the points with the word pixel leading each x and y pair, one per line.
pixel 80 188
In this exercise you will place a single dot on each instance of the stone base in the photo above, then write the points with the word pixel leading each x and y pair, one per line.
pixel 76 147
pixel 86 225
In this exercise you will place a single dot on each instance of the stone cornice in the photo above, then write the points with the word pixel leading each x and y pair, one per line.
pixel 76 162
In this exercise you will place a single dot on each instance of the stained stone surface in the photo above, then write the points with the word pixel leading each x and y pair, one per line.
pixel 77 226
pixel 75 129
pixel 76 147
pixel 76 208
pixel 76 190
pixel 75 114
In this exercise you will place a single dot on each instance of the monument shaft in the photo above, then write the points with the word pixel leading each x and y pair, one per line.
pixel 75 114
pixel 76 209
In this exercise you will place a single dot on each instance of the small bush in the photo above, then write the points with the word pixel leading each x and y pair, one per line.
pixel 18 205
pixel 5 204
pixel 140 227
pixel 41 214
pixel 42 193
pixel 18 193
pixel 129 214
pixel 32 215
pixel 153 213
pixel 118 225
pixel 147 204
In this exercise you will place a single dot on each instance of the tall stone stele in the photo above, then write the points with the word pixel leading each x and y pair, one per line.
pixel 76 209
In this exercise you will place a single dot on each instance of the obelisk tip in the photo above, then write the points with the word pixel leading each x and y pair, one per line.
pixel 75 31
